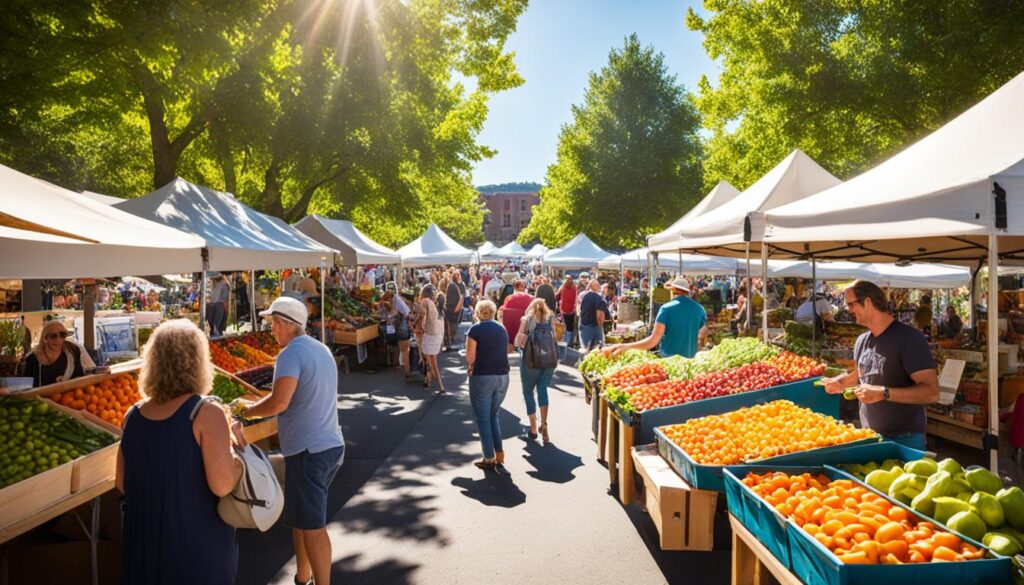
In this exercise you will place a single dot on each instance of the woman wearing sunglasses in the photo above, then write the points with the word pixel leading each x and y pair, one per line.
pixel 55 358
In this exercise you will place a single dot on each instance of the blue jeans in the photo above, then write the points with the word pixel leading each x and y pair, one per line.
pixel 912 440
pixel 591 334
pixel 532 378
pixel 486 393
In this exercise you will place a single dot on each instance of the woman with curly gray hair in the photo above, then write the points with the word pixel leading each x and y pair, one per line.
pixel 174 463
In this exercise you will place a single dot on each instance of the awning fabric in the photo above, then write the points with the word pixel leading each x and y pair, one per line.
pixel 237 236
pixel 52 232
pixel 537 251
pixel 669 238
pixel 936 200
pixel 579 252
pixel 794 178
pixel 353 246
pixel 434 248
pixel 670 262
pixel 511 250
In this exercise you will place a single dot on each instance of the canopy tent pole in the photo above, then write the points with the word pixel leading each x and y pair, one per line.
pixel 972 297
pixel 323 301
pixel 750 290
pixel 814 308
pixel 252 299
pixel 992 440
pixel 764 291
pixel 89 314
pixel 202 302
pixel 680 262
pixel 652 281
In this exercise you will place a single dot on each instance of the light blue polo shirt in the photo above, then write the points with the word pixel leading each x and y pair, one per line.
pixel 311 420
pixel 683 318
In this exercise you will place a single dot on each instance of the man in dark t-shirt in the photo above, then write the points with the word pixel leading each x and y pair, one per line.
pixel 547 292
pixel 593 313
pixel 895 375
pixel 453 300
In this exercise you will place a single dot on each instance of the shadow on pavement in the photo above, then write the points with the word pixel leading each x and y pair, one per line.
pixel 551 463
pixel 494 489
pixel 391 572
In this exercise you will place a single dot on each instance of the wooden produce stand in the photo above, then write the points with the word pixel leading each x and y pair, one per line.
pixel 954 430
pixel 752 562
pixel 614 445
pixel 685 517
pixel 356 336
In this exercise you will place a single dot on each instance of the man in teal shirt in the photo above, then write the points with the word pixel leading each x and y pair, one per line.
pixel 681 325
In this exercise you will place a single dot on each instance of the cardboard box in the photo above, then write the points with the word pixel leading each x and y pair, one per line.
pixel 685 517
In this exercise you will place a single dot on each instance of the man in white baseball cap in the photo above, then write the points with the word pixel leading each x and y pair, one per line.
pixel 305 400
pixel 680 328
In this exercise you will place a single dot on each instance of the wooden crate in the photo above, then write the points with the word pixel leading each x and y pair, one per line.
pixel 685 517
pixel 356 336
pixel 615 442
pixel 33 495
pixel 261 430
pixel 132 366
pixel 94 468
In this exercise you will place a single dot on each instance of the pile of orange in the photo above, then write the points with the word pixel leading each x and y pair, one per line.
pixel 234 356
pixel 856 524
pixel 758 432
pixel 109 399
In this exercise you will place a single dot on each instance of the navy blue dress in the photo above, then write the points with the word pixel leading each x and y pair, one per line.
pixel 172 532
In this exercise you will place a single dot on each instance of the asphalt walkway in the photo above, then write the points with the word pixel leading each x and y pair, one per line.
pixel 408 506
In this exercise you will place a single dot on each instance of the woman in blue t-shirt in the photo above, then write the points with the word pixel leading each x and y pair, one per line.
pixel 486 354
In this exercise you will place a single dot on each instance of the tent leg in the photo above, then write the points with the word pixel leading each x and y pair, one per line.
pixel 992 440
pixel 202 302
pixel 652 260
pixel 764 291
pixel 89 316
pixel 749 308
pixel 814 308
pixel 252 299
pixel 323 301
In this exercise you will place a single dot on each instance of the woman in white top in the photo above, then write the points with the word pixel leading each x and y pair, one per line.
pixel 431 324
pixel 537 312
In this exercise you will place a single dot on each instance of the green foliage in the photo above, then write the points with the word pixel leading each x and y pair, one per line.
pixel 355 108
pixel 628 163
pixel 850 81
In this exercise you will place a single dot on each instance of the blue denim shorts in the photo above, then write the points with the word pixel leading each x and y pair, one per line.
pixel 307 476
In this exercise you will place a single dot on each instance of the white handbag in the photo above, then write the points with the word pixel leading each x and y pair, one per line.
pixel 257 500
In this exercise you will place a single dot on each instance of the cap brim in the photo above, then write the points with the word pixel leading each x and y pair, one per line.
pixel 266 313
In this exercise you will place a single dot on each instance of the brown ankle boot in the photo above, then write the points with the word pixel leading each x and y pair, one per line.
pixel 499 457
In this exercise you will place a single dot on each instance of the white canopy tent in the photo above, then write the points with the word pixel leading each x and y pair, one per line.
pixel 793 179
pixel 579 252
pixel 101 198
pixel 434 248
pixel 926 276
pixel 955 196
pixel 668 239
pixel 485 250
pixel 238 237
pixel 47 231
pixel 353 246
pixel 537 251
pixel 691 263
pixel 511 250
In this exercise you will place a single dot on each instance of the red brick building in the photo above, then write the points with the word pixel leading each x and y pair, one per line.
pixel 508 213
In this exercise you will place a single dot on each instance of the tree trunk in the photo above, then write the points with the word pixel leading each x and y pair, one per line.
pixel 165 164
pixel 298 211
pixel 272 190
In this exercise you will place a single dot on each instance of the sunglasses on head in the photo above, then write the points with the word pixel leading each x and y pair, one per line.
pixel 56 334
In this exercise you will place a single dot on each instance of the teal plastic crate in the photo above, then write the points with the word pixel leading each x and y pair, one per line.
pixel 801 392
pixel 760 518
pixel 711 477
pixel 814 564
pixel 852 453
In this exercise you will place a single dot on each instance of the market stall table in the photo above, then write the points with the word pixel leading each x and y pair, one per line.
pixel 752 562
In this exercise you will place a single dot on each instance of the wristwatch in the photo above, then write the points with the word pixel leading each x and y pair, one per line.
pixel 885 393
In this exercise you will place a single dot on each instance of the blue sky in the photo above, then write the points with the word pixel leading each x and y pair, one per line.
pixel 557 44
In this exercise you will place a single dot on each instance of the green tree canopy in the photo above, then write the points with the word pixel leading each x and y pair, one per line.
pixel 356 109
pixel 848 81
pixel 628 163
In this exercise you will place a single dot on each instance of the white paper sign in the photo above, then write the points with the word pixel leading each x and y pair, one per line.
pixel 949 380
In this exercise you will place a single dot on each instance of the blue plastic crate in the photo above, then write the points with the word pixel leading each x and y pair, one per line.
pixel 801 392
pixel 852 453
pixel 711 477
pixel 760 518
pixel 814 564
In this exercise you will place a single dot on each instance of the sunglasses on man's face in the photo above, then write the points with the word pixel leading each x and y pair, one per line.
pixel 60 334
pixel 855 301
